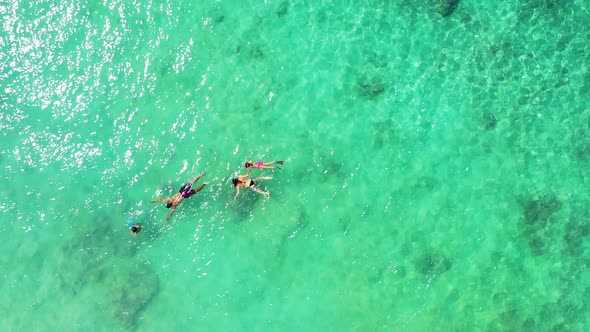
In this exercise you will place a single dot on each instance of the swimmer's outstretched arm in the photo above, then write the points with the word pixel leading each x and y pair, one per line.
pixel 160 200
pixel 237 193
pixel 171 213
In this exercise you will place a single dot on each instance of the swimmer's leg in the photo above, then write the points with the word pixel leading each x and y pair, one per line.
pixel 201 187
pixel 197 178
pixel 269 165
pixel 262 178
pixel 267 194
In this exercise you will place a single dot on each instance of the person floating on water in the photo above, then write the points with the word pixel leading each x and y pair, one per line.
pixel 245 181
pixel 184 192
pixel 261 164
pixel 133 227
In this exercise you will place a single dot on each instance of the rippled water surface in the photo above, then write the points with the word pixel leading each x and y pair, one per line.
pixel 435 175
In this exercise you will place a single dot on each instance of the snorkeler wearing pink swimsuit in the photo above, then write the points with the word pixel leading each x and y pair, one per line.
pixel 261 164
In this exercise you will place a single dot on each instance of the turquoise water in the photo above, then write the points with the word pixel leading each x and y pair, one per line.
pixel 435 177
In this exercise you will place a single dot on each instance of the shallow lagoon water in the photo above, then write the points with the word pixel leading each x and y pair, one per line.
pixel 435 169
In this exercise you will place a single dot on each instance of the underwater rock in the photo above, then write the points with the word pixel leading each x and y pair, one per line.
pixel 575 234
pixel 296 226
pixel 301 224
pixel 243 209
pixel 580 142
pixel 513 320
pixel 509 318
pixel 489 121
pixel 549 310
pixel 101 234
pixel 251 51
pixel 582 149
pixel 538 211
pixel 558 312
pixel 548 4
pixel 570 308
pixel 130 292
pixel 86 251
pixel 330 168
pixel 217 15
pixel 256 52
pixel 283 9
pixel 529 325
pixel 370 85
pixel 446 7
pixel 87 262
pixel 433 264
pixel 377 60
pixel 538 244
pixel 386 134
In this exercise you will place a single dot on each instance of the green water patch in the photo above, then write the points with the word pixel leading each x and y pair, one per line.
pixel 488 121
pixel 370 84
pixel 538 212
pixel 407 133
pixel 446 7
pixel 98 258
pixel 577 236
pixel 433 264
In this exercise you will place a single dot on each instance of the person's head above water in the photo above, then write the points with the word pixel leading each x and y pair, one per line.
pixel 168 205
pixel 135 229
pixel 248 165
pixel 235 181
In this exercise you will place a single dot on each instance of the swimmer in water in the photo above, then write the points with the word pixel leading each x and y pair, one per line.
pixel 184 192
pixel 245 181
pixel 261 164
pixel 135 229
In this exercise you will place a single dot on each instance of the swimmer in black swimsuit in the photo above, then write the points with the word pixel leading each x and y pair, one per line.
pixel 245 181
pixel 184 192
